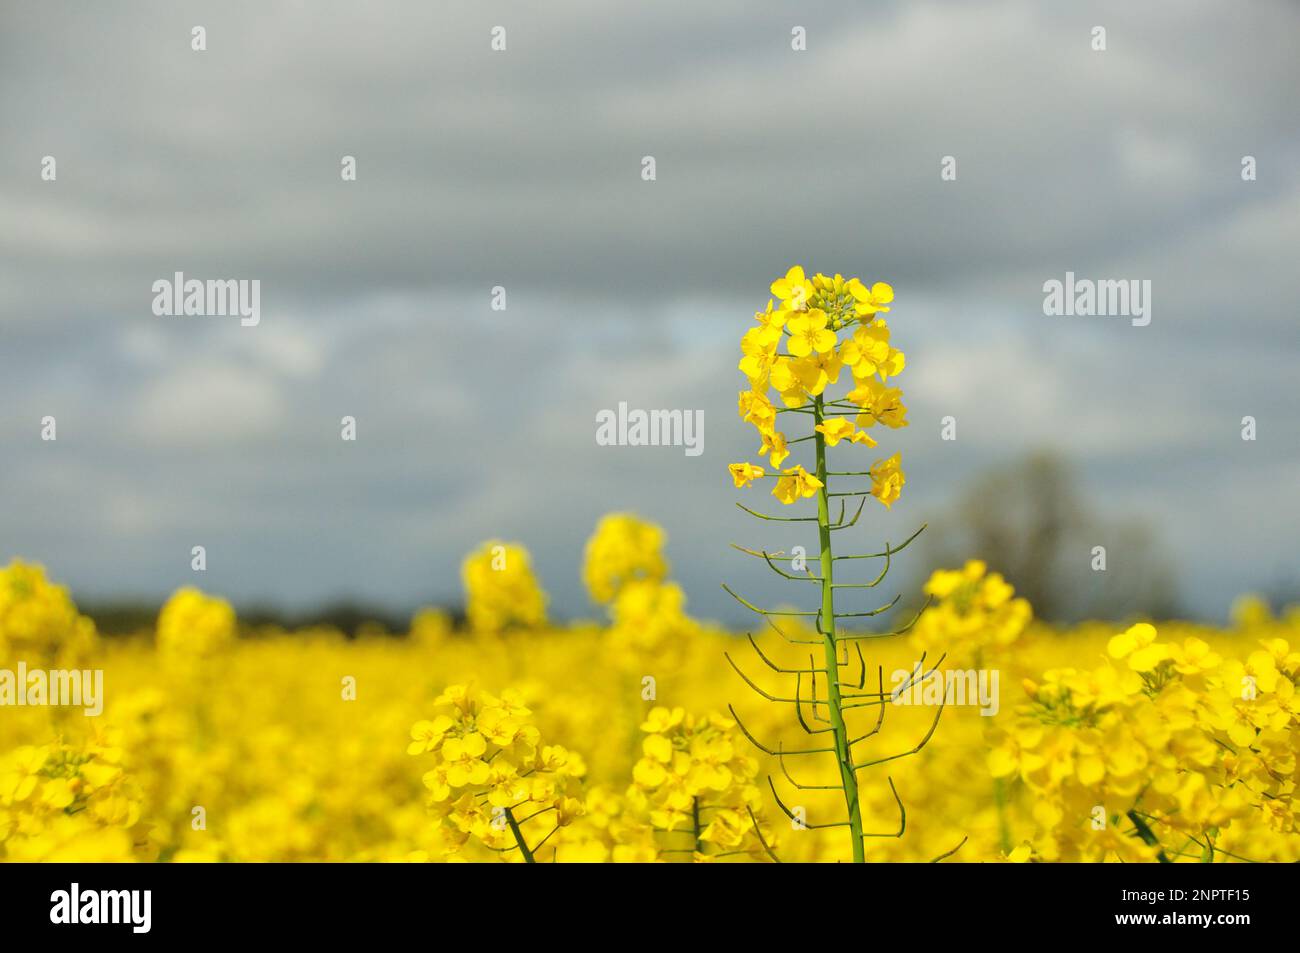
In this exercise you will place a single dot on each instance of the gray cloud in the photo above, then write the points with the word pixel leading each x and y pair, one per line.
pixel 522 169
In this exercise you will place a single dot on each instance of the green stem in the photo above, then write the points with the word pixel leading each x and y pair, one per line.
pixel 1207 851
pixel 1148 836
pixel 695 824
pixel 519 837
pixel 1000 799
pixel 833 703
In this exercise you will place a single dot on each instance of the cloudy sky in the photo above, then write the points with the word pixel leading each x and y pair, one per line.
pixel 523 169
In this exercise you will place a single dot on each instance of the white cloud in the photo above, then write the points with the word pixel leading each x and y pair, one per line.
pixel 201 404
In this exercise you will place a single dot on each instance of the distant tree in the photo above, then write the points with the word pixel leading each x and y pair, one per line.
pixel 1028 521
pixel 1283 594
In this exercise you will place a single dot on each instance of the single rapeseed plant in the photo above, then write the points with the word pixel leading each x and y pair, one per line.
pixel 814 333
pixel 694 780
pixel 501 591
pixel 492 774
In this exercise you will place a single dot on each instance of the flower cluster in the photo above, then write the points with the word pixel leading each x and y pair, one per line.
pixel 57 800
pixel 974 612
pixel 807 337
pixel 625 569
pixel 38 621
pixel 694 777
pixel 623 549
pixel 1158 753
pixel 609 831
pixel 650 617
pixel 195 626
pixel 492 773
pixel 501 591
